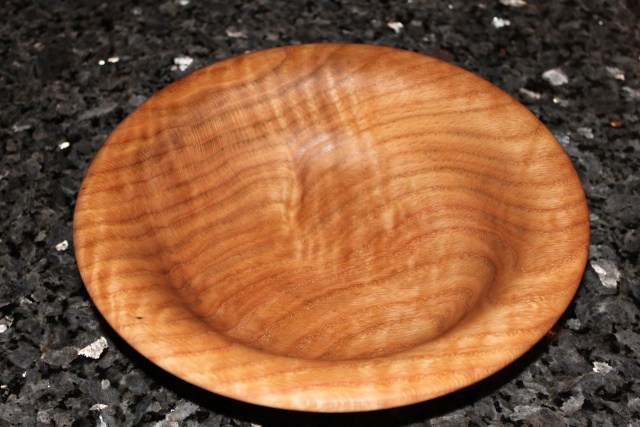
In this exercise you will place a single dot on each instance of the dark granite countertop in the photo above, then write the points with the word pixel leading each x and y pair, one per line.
pixel 71 70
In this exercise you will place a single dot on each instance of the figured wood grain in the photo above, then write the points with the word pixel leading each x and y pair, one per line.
pixel 331 228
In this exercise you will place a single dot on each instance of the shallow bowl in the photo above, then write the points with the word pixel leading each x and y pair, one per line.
pixel 331 227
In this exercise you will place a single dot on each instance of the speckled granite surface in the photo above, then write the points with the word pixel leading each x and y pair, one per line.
pixel 71 70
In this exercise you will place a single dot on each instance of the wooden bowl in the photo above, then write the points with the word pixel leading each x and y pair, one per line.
pixel 331 227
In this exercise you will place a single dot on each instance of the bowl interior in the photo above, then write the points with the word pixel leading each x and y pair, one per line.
pixel 330 203
pixel 333 219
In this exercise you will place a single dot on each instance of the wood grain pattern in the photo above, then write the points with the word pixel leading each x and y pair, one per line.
pixel 331 228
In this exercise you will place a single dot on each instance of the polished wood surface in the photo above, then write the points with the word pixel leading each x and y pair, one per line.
pixel 331 228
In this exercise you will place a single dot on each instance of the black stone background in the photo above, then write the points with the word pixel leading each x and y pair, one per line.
pixel 53 90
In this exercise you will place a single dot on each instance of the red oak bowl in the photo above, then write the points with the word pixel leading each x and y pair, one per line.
pixel 331 227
